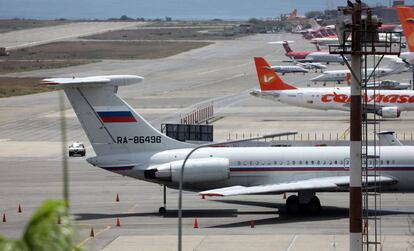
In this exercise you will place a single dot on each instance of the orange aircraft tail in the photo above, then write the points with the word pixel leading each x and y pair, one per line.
pixel 268 79
pixel 406 16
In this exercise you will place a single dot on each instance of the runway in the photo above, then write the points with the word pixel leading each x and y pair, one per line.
pixel 221 73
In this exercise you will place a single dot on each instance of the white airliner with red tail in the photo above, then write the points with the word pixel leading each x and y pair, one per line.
pixel 386 103
pixel 125 143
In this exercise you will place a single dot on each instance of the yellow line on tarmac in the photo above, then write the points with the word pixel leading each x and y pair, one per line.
pixel 132 209
pixel 87 239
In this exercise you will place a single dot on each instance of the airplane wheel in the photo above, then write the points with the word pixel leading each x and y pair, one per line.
pixel 292 204
pixel 162 210
pixel 314 206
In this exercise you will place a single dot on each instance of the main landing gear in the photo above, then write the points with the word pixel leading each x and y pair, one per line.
pixel 163 210
pixel 305 202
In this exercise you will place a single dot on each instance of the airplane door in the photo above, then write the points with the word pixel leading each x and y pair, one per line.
pixel 300 97
pixel 347 163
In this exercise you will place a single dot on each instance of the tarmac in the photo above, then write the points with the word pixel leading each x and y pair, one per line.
pixel 221 74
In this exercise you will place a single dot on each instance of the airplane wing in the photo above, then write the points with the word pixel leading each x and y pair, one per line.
pixel 340 183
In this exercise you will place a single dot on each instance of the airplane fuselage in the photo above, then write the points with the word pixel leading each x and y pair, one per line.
pixel 249 166
pixel 338 98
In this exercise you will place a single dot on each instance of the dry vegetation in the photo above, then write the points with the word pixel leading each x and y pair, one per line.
pixel 20 86
pixel 103 50
pixel 64 54
pixel 9 66
pixel 169 33
pixel 7 25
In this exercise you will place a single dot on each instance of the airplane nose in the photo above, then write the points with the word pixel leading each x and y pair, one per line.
pixel 317 78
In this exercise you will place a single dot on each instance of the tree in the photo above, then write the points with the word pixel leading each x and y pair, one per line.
pixel 43 233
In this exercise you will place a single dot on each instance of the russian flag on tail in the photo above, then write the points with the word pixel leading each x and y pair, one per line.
pixel 116 116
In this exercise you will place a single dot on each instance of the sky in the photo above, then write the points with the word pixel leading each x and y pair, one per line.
pixel 177 9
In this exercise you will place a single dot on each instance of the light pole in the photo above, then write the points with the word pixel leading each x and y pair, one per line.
pixel 180 193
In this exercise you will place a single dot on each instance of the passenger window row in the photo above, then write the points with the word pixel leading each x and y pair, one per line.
pixel 310 162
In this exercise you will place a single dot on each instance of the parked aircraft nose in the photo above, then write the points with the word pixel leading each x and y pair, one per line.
pixel 318 78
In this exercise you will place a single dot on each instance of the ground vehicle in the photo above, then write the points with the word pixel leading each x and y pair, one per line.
pixel 77 148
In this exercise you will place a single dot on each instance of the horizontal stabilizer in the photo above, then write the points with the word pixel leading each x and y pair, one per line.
pixel 96 81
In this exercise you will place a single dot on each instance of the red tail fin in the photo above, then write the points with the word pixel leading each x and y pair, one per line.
pixel 268 78
pixel 406 16
pixel 286 46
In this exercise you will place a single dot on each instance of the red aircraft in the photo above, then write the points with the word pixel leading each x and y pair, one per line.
pixel 294 54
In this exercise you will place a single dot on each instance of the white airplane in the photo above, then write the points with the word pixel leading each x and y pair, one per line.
pixel 385 103
pixel 326 41
pixel 317 56
pixel 311 66
pixel 125 143
pixel 395 66
pixel 283 69
pixel 389 85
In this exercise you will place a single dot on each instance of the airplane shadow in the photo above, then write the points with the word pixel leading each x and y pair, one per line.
pixel 282 217
pixel 92 216
pixel 278 216
pixel 187 213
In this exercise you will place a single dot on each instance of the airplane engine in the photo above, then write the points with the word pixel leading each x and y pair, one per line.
pixel 389 112
pixel 195 170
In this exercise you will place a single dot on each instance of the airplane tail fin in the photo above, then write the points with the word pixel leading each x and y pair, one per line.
pixel 406 16
pixel 268 78
pixel 396 65
pixel 111 125
pixel 286 46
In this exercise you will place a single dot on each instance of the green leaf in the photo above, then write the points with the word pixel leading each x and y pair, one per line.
pixel 12 245
pixel 44 234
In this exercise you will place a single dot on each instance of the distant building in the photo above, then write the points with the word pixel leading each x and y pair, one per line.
pixel 398 2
